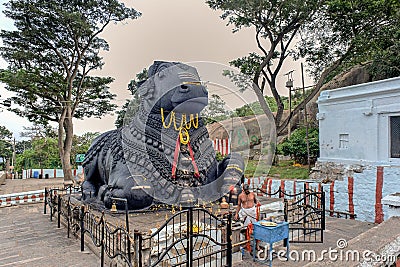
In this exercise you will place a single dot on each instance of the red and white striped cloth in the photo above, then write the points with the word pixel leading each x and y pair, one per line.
pixel 222 145
pixel 23 197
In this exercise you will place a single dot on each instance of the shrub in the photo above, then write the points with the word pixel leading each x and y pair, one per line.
pixel 296 145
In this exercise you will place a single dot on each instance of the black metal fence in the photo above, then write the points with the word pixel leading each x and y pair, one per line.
pixel 191 237
pixel 115 242
pixel 305 213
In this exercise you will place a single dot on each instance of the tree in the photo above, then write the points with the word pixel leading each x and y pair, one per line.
pixel 131 105
pixel 335 35
pixel 5 145
pixel 22 145
pixel 296 146
pixel 50 57
pixel 346 33
pixel 215 110
pixel 43 154
pixel 276 24
pixel 81 144
pixel 254 108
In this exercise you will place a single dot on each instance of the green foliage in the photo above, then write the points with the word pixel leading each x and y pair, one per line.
pixel 51 55
pixel 219 156
pixel 130 107
pixel 296 145
pixel 81 144
pixel 244 111
pixel 5 145
pixel 5 133
pixel 287 170
pixel 276 24
pixel 22 145
pixel 254 108
pixel 283 170
pixel 43 151
pixel 248 65
pixel 43 154
pixel 386 59
pixel 215 110
pixel 254 165
pixel 354 32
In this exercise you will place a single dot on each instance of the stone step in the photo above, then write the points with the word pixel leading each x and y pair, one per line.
pixel 379 246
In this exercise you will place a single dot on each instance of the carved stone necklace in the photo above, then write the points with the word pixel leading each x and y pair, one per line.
pixel 157 142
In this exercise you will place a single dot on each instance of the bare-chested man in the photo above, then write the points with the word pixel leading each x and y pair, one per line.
pixel 246 209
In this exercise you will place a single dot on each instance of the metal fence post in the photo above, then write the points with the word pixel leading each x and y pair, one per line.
pixel 82 228
pixel 127 231
pixel 286 210
pixel 59 211
pixel 305 196
pixel 189 254
pixel 45 200
pixel 51 205
pixel 68 216
pixel 136 245
pixel 102 240
pixel 229 240
pixel 140 250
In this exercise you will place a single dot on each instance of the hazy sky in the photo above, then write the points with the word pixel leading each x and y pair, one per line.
pixel 173 30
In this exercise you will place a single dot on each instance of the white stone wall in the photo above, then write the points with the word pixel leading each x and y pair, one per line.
pixel 354 130
pixel 354 122
pixel 364 190
pixel 58 172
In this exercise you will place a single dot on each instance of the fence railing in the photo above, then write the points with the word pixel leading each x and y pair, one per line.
pixel 341 214
pixel 113 241
pixel 305 213
pixel 191 237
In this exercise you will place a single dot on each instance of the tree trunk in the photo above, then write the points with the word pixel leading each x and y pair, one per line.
pixel 263 102
pixel 65 134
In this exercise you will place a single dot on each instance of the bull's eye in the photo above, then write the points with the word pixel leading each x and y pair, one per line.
pixel 184 86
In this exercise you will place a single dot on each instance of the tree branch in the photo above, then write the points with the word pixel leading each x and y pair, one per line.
pixel 316 89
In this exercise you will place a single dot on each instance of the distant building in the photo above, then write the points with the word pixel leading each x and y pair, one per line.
pixel 359 135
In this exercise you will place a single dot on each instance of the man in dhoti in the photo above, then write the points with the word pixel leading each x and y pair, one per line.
pixel 246 209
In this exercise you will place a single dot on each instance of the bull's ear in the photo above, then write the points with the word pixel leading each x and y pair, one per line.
pixel 140 83
pixel 146 89
pixel 153 68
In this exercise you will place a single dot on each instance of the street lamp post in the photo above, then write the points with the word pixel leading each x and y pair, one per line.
pixel 289 85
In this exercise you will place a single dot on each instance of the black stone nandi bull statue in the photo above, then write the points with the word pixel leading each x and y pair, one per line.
pixel 164 153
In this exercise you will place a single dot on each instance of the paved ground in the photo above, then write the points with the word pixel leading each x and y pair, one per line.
pixel 22 229
pixel 23 185
pixel 28 238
